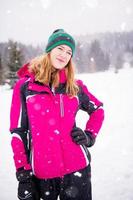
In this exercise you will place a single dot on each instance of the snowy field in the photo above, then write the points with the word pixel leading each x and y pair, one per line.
pixel 112 155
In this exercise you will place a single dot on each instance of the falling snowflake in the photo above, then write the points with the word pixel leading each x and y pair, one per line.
pixel 47 193
pixel 71 191
pixel 8 12
pixel 43 113
pixel 45 3
pixel 77 174
pixel 81 46
pixel 9 48
pixel 92 59
pixel 95 134
pixel 51 138
pixel 37 106
pixel 26 192
pixel 33 126
pixel 16 61
pixel 57 131
pixel 31 173
pixel 52 122
pixel 123 26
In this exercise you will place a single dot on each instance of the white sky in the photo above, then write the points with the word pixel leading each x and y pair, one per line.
pixel 32 21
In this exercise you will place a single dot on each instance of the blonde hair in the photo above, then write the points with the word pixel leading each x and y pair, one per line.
pixel 45 73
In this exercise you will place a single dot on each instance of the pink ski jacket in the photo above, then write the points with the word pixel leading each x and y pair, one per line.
pixel 41 121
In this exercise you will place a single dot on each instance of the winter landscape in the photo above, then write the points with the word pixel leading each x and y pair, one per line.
pixel 112 155
pixel 104 33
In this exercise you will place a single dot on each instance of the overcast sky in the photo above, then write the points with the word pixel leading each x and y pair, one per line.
pixel 32 21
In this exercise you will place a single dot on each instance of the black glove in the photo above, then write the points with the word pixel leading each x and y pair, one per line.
pixel 82 137
pixel 26 186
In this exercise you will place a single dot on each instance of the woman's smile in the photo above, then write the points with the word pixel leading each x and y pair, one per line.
pixel 60 60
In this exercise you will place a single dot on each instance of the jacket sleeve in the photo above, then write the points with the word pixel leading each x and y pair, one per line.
pixel 19 127
pixel 94 107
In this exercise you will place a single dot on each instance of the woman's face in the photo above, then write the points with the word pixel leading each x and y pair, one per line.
pixel 60 56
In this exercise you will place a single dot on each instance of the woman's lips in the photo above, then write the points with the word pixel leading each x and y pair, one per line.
pixel 60 60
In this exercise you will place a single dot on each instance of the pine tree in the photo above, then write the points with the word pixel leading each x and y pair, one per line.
pixel 98 60
pixel 79 58
pixel 119 63
pixel 14 61
pixel 1 71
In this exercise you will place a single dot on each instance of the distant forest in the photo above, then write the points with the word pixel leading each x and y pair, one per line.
pixel 94 53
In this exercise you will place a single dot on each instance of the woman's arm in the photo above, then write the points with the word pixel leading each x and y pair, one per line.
pixel 94 107
pixel 19 126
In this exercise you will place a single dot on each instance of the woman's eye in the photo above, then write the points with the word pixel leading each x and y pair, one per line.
pixel 60 48
pixel 69 53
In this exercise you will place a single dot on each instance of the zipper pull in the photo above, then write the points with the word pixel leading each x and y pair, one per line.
pixel 61 106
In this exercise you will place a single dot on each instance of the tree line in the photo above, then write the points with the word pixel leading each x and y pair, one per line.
pixel 94 53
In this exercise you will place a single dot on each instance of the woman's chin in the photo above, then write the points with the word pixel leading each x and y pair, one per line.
pixel 59 66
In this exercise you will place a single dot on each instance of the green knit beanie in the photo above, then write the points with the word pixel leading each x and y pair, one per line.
pixel 60 37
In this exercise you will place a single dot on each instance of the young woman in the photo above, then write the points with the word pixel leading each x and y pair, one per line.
pixel 50 151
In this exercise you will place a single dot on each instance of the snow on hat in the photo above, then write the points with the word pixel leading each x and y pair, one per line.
pixel 60 37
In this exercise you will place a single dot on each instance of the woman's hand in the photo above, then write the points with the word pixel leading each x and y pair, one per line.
pixel 26 186
pixel 82 137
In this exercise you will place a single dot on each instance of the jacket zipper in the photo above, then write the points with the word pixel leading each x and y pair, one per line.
pixel 61 106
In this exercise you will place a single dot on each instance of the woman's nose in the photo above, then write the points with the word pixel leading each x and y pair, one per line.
pixel 63 53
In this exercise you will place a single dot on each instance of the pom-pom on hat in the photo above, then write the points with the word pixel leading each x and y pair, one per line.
pixel 60 37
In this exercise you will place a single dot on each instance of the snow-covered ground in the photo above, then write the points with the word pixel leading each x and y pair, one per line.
pixel 112 155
